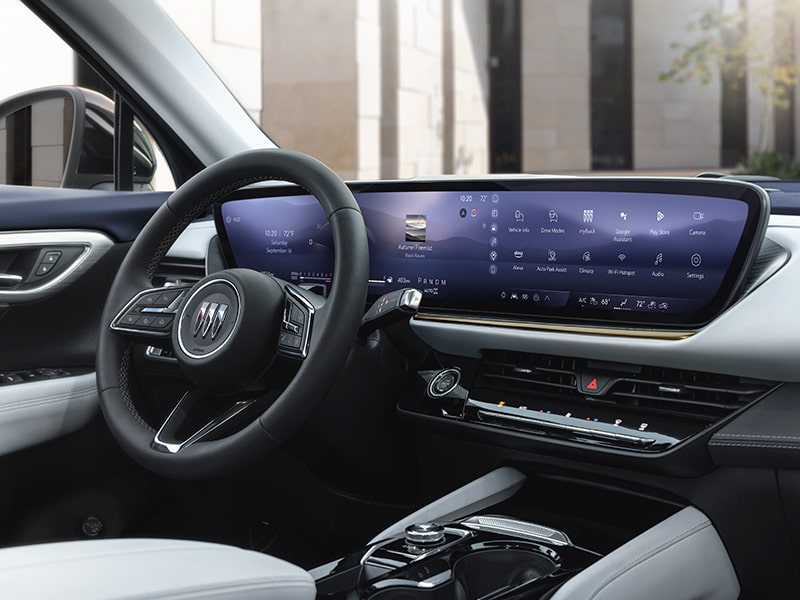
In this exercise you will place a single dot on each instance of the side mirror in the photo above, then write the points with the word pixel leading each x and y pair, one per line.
pixel 64 137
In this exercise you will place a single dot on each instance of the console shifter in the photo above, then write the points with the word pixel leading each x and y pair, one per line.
pixel 388 309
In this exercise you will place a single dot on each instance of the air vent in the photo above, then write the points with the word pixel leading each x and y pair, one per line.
pixel 529 372
pixel 620 388
pixel 691 394
pixel 174 271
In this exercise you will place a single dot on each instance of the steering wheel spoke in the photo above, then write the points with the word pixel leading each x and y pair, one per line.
pixel 150 313
pixel 185 425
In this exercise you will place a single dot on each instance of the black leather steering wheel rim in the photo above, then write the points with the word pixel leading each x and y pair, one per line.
pixel 317 372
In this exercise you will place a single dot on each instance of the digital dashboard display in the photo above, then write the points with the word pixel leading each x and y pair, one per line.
pixel 629 254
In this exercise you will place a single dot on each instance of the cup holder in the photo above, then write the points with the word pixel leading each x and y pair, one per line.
pixel 488 573
pixel 485 572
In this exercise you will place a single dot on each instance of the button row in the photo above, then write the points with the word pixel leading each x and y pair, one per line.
pixel 152 311
pixel 295 328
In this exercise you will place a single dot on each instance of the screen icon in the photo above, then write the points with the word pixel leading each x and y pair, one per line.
pixel 495 213
pixel 621 257
pixel 696 260
pixel 698 216
pixel 493 242
pixel 587 257
pixel 659 216
pixel 588 216
pixel 519 216
pixel 493 227
pixel 551 255
pixel 553 216
pixel 518 254
pixel 493 255
pixel 417 227
pixel 495 198
pixel 659 259
pixel 623 215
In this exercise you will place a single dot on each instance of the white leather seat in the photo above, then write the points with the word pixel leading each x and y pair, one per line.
pixel 148 568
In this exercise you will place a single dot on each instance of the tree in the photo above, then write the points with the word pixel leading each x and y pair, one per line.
pixel 727 44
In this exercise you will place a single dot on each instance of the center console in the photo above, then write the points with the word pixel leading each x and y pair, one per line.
pixel 479 557
pixel 456 549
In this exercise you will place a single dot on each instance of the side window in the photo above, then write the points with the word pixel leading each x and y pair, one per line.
pixel 57 115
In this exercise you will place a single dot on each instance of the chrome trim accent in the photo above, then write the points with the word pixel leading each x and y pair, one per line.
pixel 580 329
pixel 205 431
pixel 155 353
pixel 440 375
pixel 410 300
pixel 10 279
pixel 505 525
pixel 219 319
pixel 199 319
pixel 94 243
pixel 424 533
pixel 182 314
pixel 592 433
pixel 426 552
pixel 426 584
pixel 208 318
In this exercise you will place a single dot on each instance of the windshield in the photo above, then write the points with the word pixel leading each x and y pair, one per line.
pixel 419 87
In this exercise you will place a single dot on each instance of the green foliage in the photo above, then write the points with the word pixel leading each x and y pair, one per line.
pixel 724 44
pixel 769 163
pixel 711 51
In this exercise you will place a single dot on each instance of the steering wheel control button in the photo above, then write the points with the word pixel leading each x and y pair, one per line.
pixel 296 325
pixel 150 312
pixel 443 383
pixel 424 534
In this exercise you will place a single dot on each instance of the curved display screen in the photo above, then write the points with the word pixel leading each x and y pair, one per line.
pixel 577 249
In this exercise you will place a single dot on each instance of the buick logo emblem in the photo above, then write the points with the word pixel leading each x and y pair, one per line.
pixel 209 319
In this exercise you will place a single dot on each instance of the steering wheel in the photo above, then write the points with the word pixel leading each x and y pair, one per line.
pixel 229 328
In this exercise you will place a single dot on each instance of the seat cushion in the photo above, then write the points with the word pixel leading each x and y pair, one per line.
pixel 148 568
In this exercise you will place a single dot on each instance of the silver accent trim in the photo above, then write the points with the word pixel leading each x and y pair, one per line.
pixel 94 243
pixel 10 279
pixel 155 353
pixel 592 433
pixel 219 319
pixel 182 314
pixel 410 300
pixel 424 533
pixel 199 319
pixel 205 431
pixel 208 318
pixel 425 584
pixel 425 552
pixel 505 525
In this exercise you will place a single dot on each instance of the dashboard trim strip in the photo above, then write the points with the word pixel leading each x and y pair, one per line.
pixel 580 329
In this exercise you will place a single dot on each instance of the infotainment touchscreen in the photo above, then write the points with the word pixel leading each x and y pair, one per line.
pixel 641 251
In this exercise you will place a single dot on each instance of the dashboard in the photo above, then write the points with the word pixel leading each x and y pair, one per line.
pixel 577 311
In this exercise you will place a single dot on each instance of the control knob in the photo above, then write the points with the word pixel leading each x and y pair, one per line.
pixel 424 534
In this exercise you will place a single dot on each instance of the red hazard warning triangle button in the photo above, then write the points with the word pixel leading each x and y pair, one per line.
pixel 593 384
